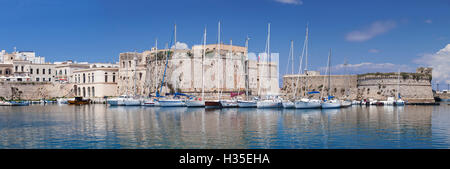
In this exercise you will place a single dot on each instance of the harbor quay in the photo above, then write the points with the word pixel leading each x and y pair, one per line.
pixel 23 76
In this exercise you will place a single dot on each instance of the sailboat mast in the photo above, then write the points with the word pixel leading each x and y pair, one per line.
pixel 203 58
pixel 398 84
pixel 329 73
pixel 306 59
pixel 291 53
pixel 156 65
pixel 218 59
pixel 245 70
pixel 134 78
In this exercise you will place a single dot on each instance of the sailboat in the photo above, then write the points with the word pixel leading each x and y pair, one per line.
pixel 267 102
pixel 171 102
pixel 399 101
pixel 289 104
pixel 199 102
pixel 346 103
pixel 330 102
pixel 229 103
pixel 246 103
pixel 305 103
pixel 133 100
pixel 216 103
pixel 150 101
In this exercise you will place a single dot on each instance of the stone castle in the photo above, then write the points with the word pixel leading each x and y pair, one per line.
pixel 413 87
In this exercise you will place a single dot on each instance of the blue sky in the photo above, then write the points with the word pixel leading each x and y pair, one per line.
pixel 385 35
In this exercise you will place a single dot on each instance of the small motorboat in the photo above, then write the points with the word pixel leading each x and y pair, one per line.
pixel 79 101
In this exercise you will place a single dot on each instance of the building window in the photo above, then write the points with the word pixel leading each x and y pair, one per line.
pixel 140 76
pixel 31 71
pixel 79 91
pixel 92 78
pixel 43 79
pixel 123 64
pixel 65 71
pixel 84 78
pixel 22 68
pixel 106 77
pixel 114 77
pixel 37 71
pixel 89 77
pixel 43 71
pixel 60 72
pixel 89 92
pixel 84 92
pixel 93 91
pixel 37 79
pixel 1 71
pixel 17 68
pixel 19 79
pixel 49 79
pixel 129 63
pixel 7 72
pixel 49 71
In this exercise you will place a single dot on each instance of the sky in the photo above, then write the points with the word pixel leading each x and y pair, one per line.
pixel 372 36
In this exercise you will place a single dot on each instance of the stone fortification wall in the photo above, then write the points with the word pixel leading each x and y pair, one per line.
pixel 34 90
pixel 342 86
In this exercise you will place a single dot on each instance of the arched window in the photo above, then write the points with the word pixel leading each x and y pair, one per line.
pixel 92 79
pixel 31 71
pixel 93 91
pixel 89 92
pixel 84 78
pixel 7 72
pixel 43 71
pixel 84 92
pixel 106 77
pixel 140 76
pixel 114 77
pixel 79 91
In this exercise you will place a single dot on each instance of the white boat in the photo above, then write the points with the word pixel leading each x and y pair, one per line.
pixel 3 103
pixel 389 102
pixel 228 103
pixel 62 101
pixel 346 103
pixel 171 103
pixel 247 103
pixel 195 103
pixel 268 104
pixel 399 102
pixel 118 101
pixel 132 102
pixel 307 104
pixel 288 104
pixel 331 104
pixel 149 102
pixel 356 102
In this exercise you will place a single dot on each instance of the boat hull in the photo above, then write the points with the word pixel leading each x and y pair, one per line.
pixel 267 104
pixel 307 105
pixel 247 104
pixel 195 103
pixel 288 105
pixel 213 104
pixel 228 104
pixel 171 103
pixel 333 105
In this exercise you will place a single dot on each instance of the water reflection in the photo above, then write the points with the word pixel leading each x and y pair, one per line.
pixel 100 126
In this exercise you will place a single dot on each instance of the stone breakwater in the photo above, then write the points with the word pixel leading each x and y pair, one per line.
pixel 413 87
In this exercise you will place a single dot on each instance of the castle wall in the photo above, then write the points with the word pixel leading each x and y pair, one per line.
pixel 35 90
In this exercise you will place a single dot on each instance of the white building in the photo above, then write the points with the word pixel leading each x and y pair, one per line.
pixel 95 82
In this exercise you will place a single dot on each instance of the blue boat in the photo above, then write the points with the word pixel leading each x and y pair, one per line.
pixel 19 103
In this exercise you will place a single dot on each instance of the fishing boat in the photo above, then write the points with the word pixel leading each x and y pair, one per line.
pixel 79 101
pixel 330 101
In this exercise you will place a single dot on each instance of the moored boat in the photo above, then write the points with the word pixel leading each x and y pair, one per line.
pixel 331 104
pixel 307 104
pixel 79 101
pixel 247 103
pixel 171 103
pixel 213 104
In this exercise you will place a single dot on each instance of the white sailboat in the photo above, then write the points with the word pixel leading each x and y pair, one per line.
pixel 216 103
pixel 287 103
pixel 172 102
pixel 150 101
pixel 246 103
pixel 133 100
pixel 330 102
pixel 346 103
pixel 229 103
pixel 267 102
pixel 305 103
pixel 199 102
pixel 399 101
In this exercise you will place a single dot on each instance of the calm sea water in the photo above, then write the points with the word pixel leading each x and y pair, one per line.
pixel 100 126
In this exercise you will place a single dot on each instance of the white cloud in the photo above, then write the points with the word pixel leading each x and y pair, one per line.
pixel 429 21
pixel 294 2
pixel 181 45
pixel 368 67
pixel 440 62
pixel 374 51
pixel 375 29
